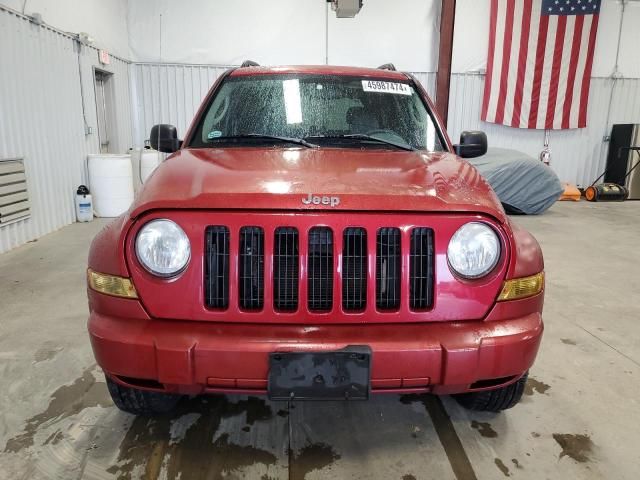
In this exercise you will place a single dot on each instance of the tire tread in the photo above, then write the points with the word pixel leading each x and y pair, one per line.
pixel 495 400
pixel 141 402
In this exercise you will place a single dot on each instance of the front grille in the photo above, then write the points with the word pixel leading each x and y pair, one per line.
pixel 421 268
pixel 320 269
pixel 217 267
pixel 354 269
pixel 285 269
pixel 251 264
pixel 258 267
pixel 388 269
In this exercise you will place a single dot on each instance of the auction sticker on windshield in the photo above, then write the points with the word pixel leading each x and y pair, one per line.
pixel 386 87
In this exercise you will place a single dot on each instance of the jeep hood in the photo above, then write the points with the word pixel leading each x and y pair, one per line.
pixel 279 179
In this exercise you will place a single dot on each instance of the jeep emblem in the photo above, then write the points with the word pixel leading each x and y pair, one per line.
pixel 317 200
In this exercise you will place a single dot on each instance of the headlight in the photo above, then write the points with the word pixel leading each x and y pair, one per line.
pixel 473 250
pixel 163 248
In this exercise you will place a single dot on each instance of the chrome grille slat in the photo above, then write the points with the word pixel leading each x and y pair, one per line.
pixel 354 269
pixel 217 267
pixel 320 269
pixel 251 268
pixel 421 269
pixel 285 269
pixel 388 263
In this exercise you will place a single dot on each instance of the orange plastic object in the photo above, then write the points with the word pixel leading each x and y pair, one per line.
pixel 571 193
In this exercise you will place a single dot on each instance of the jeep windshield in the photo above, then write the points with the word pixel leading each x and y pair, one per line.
pixel 317 111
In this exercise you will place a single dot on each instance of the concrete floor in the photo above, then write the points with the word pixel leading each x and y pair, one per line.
pixel 578 419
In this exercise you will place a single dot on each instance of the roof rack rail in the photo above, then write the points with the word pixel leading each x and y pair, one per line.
pixel 387 66
pixel 249 63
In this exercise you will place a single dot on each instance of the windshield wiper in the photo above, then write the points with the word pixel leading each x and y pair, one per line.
pixel 362 136
pixel 297 141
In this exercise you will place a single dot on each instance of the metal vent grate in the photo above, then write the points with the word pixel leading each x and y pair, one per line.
pixel 14 198
pixel 285 269
pixel 388 268
pixel 217 267
pixel 320 269
pixel 251 268
pixel 421 268
pixel 354 269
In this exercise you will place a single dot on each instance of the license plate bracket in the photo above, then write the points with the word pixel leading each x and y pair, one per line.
pixel 335 375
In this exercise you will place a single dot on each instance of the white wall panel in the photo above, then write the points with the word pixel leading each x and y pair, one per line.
pixel 578 155
pixel 228 32
pixel 41 119
pixel 286 32
pixel 104 20
pixel 629 60
pixel 403 32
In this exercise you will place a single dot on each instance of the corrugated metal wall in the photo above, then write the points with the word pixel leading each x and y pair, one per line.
pixel 577 156
pixel 41 119
pixel 428 81
pixel 170 93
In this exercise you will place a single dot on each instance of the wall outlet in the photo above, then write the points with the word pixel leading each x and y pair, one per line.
pixel 88 130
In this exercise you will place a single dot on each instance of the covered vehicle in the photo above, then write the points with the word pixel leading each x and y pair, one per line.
pixel 523 184
pixel 314 236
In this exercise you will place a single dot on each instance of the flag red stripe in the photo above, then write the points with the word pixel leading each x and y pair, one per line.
pixel 506 57
pixel 492 42
pixel 555 71
pixel 537 79
pixel 522 62
pixel 573 66
pixel 586 79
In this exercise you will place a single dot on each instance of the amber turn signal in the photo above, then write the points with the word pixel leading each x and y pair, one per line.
pixel 522 287
pixel 111 284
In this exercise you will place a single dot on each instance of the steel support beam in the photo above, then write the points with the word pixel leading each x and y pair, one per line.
pixel 443 77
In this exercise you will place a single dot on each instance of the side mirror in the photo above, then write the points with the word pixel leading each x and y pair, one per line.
pixel 164 138
pixel 472 144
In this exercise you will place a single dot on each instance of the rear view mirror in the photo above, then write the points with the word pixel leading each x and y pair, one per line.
pixel 164 138
pixel 472 144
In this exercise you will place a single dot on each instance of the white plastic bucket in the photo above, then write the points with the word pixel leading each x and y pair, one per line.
pixel 135 154
pixel 111 184
pixel 149 161
pixel 144 161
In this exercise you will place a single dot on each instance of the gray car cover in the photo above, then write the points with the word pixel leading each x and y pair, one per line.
pixel 522 183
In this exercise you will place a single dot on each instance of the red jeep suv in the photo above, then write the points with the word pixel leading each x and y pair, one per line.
pixel 315 236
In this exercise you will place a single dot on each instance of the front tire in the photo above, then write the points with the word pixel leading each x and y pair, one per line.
pixel 141 402
pixel 494 400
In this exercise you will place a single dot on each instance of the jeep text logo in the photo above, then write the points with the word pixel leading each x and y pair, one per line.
pixel 316 200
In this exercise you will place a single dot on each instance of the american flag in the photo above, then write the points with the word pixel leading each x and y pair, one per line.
pixel 539 62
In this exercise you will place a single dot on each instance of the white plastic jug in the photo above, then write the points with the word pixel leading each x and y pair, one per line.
pixel 84 204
